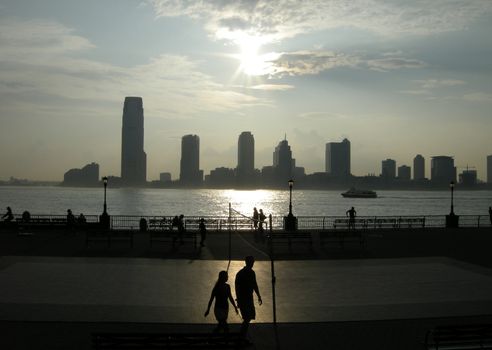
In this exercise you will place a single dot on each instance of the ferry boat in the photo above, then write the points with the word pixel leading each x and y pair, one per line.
pixel 355 193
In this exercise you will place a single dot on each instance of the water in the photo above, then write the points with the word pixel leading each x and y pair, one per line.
pixel 124 201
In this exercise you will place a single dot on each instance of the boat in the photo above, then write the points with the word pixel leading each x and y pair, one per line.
pixel 355 193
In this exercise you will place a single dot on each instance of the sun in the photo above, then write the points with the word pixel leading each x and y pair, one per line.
pixel 251 61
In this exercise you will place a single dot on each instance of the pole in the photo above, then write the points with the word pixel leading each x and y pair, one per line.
pixel 230 238
pixel 290 200
pixel 272 267
pixel 105 206
pixel 452 200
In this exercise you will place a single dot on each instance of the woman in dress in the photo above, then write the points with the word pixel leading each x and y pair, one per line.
pixel 222 295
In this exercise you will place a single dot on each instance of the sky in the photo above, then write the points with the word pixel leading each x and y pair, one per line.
pixel 395 77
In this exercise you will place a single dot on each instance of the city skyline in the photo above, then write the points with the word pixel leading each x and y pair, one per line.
pixel 395 78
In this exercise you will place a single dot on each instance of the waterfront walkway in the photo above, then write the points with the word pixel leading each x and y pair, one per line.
pixel 55 291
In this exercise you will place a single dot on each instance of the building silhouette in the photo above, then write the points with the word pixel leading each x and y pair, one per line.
pixel 190 173
pixel 283 163
pixel 489 169
pixel 165 177
pixel 133 157
pixel 87 176
pixel 337 158
pixel 468 177
pixel 245 171
pixel 443 170
pixel 418 167
pixel 404 172
pixel 388 169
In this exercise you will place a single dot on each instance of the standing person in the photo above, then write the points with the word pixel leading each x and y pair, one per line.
pixel 8 216
pixel 222 295
pixel 255 218
pixel 245 285
pixel 203 232
pixel 351 214
pixel 262 218
pixel 70 219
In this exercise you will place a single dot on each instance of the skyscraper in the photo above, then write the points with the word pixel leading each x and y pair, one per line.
pixel 388 169
pixel 443 170
pixel 337 158
pixel 418 167
pixel 489 169
pixel 133 157
pixel 190 173
pixel 245 154
pixel 283 163
pixel 404 172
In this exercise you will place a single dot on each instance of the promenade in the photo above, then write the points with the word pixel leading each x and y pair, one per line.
pixel 56 291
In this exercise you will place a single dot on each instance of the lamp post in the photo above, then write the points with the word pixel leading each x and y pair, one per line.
pixel 290 221
pixel 452 219
pixel 104 218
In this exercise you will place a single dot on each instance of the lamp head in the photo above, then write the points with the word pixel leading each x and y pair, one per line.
pixel 105 180
pixel 291 183
pixel 451 184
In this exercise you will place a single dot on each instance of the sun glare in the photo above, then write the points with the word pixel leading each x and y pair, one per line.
pixel 251 61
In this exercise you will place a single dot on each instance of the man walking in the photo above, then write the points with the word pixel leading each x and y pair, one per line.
pixel 245 286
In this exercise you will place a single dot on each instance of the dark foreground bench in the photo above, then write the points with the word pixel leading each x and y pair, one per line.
pixel 292 237
pixel 459 337
pixel 107 341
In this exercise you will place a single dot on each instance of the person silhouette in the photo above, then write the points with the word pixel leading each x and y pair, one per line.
pixel 351 214
pixel 262 218
pixel 70 219
pixel 245 285
pixel 8 216
pixel 222 295
pixel 255 218
pixel 203 232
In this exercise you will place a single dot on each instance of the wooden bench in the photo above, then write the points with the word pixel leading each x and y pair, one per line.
pixel 117 341
pixel 347 224
pixel 411 222
pixel 459 337
pixel 291 237
pixel 342 237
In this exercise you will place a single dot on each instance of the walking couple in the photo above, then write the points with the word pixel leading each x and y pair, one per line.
pixel 245 285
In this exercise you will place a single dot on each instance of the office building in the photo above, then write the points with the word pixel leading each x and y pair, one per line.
pixel 468 177
pixel 133 157
pixel 245 157
pixel 388 169
pixel 489 169
pixel 337 158
pixel 418 167
pixel 404 172
pixel 283 163
pixel 87 176
pixel 190 173
pixel 443 170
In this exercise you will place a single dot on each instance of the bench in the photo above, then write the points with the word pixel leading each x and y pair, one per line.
pixel 347 224
pixel 411 222
pixel 382 223
pixel 291 237
pixel 100 235
pixel 110 341
pixel 341 237
pixel 459 337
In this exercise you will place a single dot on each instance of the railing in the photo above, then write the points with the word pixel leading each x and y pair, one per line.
pixel 224 223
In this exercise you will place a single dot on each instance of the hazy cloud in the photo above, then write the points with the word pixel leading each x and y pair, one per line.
pixel 478 97
pixel 286 18
pixel 438 83
pixel 392 63
pixel 36 57
pixel 272 87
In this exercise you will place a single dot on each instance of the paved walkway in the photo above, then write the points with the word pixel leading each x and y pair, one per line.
pixel 177 291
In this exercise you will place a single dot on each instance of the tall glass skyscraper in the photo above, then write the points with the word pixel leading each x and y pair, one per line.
pixel 133 157
pixel 245 154
pixel 337 158
pixel 190 173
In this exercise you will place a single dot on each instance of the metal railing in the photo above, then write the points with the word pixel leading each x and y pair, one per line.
pixel 225 223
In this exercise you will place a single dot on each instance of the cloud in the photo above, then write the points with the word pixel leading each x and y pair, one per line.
pixel 310 62
pixel 272 87
pixel 277 20
pixel 478 97
pixel 37 57
pixel 438 83
pixel 392 63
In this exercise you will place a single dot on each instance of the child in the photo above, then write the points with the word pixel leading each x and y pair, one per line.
pixel 222 294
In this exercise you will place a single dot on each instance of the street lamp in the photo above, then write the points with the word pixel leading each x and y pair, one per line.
pixel 451 186
pixel 290 221
pixel 105 182
pixel 452 219
pixel 104 218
